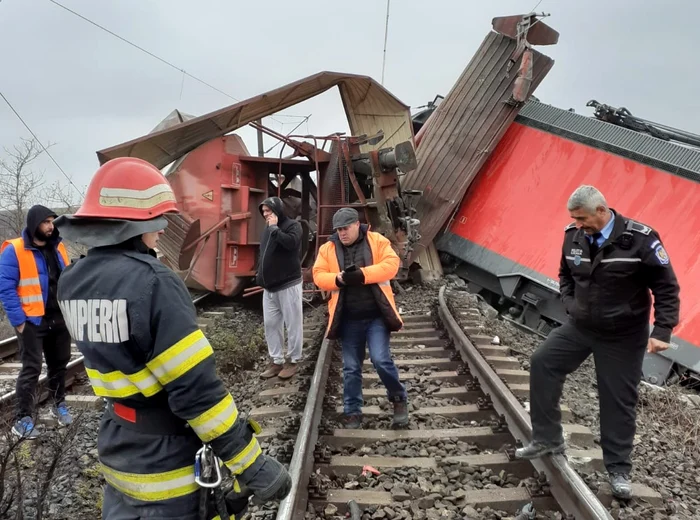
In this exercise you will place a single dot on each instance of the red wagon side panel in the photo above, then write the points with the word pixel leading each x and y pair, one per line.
pixel 516 207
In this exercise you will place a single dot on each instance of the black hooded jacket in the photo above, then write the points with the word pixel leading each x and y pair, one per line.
pixel 279 264
pixel 35 216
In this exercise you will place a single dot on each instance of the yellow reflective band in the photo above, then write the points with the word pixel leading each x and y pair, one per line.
pixel 215 421
pixel 138 199
pixel 181 357
pixel 118 385
pixel 150 487
pixel 245 458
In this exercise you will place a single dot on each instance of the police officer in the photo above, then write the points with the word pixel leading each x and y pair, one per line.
pixel 608 265
pixel 133 320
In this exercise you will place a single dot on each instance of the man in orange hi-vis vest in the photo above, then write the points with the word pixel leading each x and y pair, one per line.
pixel 29 269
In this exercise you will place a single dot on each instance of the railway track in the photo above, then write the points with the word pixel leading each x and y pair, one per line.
pixel 456 455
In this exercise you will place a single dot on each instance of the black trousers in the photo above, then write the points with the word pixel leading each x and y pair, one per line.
pixel 618 365
pixel 53 339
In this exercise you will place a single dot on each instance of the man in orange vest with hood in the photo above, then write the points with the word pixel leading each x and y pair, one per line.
pixel 29 269
pixel 356 266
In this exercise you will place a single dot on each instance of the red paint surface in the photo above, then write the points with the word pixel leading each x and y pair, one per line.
pixel 215 169
pixel 516 207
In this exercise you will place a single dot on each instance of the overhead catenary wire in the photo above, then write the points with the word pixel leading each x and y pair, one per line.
pixel 41 144
pixel 386 34
pixel 306 119
pixel 162 60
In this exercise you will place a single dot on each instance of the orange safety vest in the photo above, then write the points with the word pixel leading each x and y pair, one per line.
pixel 29 286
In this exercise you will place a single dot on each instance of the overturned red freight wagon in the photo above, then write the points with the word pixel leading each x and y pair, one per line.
pixel 506 236
pixel 213 244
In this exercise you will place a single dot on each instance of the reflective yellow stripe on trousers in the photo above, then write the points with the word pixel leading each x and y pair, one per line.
pixel 151 487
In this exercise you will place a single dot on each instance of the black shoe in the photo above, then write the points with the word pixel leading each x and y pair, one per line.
pixel 537 449
pixel 621 485
pixel 400 414
pixel 352 422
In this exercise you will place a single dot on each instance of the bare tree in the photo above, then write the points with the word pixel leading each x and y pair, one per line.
pixel 19 185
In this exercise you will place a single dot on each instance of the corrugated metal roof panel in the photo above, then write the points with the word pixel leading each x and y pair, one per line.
pixel 368 105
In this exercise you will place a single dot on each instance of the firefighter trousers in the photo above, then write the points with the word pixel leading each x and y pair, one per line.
pixel 117 506
pixel 618 364
pixel 51 338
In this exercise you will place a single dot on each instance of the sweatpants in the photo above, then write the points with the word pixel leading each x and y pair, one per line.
pixel 284 308
pixel 54 340
pixel 618 365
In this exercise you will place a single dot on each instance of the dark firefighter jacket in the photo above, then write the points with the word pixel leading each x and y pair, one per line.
pixel 381 263
pixel 134 322
pixel 610 293
pixel 279 265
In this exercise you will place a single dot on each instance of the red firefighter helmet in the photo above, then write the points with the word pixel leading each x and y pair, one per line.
pixel 128 188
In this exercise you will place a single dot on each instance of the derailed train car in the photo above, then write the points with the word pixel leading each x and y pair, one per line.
pixel 505 238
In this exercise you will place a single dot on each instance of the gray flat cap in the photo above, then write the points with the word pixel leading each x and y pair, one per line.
pixel 344 217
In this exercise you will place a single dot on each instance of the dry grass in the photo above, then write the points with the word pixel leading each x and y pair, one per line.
pixel 666 415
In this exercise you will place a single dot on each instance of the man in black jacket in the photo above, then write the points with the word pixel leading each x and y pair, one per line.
pixel 279 274
pixel 609 263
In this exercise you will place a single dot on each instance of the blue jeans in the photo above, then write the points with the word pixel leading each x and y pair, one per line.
pixel 355 335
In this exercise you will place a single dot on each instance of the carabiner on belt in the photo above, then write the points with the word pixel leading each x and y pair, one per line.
pixel 204 463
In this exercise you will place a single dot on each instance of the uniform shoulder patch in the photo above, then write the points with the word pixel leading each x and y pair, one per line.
pixel 640 228
pixel 572 225
pixel 661 254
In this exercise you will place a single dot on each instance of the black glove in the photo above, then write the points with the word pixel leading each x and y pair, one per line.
pixel 237 503
pixel 270 482
pixel 356 277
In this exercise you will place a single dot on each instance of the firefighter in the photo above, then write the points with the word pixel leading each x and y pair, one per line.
pixel 134 322
pixel 609 264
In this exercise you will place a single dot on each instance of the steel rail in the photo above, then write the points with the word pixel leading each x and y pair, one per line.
pixel 567 487
pixel 73 368
pixel 302 464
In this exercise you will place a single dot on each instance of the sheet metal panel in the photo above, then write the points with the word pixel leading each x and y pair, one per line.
pixel 464 130
pixel 516 207
pixel 368 105
pixel 670 156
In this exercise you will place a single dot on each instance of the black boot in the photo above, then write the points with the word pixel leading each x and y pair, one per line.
pixel 400 414
pixel 537 449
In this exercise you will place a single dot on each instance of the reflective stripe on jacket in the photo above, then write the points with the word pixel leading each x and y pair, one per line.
pixel 382 265
pixel 24 287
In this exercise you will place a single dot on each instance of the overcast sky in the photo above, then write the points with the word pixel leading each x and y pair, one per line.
pixel 83 89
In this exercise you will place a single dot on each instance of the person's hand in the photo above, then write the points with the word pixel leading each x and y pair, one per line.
pixel 20 328
pixel 272 220
pixel 339 278
pixel 656 345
